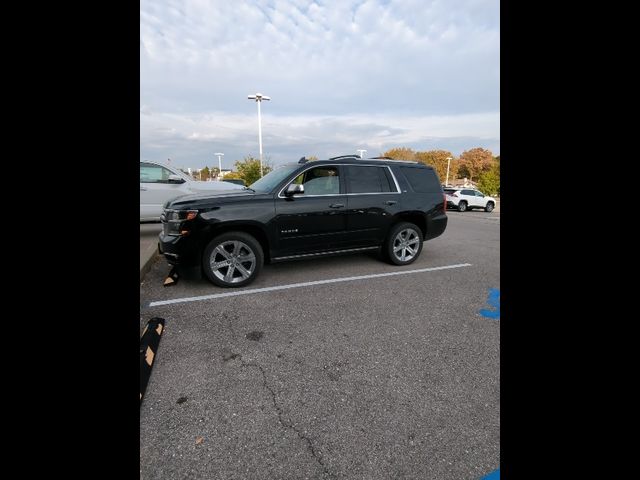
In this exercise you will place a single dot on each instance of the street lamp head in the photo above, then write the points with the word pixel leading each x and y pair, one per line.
pixel 258 97
pixel 219 154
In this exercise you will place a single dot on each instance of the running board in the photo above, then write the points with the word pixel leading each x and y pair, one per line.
pixel 319 254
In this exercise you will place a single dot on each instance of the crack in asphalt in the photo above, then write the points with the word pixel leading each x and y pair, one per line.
pixel 283 422
pixel 287 424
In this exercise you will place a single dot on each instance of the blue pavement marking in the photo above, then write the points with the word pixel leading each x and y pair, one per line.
pixel 493 301
pixel 492 476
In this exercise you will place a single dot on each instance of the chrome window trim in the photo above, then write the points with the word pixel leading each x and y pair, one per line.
pixel 397 192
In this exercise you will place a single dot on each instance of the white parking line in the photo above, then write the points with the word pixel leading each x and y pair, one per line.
pixel 298 285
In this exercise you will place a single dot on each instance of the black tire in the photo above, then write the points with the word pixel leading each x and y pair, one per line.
pixel 462 206
pixel 240 249
pixel 398 244
pixel 489 207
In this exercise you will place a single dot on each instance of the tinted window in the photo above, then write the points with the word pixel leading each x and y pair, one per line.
pixel 367 180
pixel 422 180
pixel 478 194
pixel 467 192
pixel 449 190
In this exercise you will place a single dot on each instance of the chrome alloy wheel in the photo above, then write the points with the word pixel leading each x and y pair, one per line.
pixel 232 261
pixel 406 244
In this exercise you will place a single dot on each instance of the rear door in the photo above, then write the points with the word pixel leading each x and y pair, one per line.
pixel 372 201
pixel 469 196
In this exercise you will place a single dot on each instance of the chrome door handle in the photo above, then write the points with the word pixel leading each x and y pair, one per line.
pixel 336 205
pixel 390 202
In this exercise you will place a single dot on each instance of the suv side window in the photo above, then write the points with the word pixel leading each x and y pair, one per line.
pixel 320 181
pixel 362 179
pixel 422 180
pixel 467 192
pixel 150 173
pixel 478 194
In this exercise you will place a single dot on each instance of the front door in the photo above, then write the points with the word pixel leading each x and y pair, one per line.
pixel 315 220
pixel 155 190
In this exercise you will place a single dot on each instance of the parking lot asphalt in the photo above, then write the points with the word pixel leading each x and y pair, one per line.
pixel 375 377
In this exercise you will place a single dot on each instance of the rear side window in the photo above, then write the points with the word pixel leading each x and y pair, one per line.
pixel 422 180
pixel 367 180
pixel 467 192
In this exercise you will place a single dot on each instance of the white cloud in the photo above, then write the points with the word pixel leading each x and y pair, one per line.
pixel 345 69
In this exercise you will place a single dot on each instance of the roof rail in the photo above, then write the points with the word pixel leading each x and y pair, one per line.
pixel 382 158
pixel 345 156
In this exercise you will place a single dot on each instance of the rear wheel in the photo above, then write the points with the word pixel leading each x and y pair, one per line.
pixel 462 206
pixel 404 244
pixel 232 259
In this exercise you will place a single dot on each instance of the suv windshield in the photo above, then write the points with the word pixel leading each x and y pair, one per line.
pixel 272 179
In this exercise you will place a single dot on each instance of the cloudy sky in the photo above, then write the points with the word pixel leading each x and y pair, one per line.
pixel 342 75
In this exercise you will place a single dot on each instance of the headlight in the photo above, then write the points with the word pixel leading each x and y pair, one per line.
pixel 174 220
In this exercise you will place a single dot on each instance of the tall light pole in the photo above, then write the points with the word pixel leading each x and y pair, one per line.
pixel 258 97
pixel 219 165
pixel 446 182
pixel 360 150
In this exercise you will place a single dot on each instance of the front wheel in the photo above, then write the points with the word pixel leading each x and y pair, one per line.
pixel 404 244
pixel 489 207
pixel 232 259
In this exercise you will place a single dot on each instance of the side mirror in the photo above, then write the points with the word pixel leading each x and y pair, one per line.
pixel 293 189
pixel 176 179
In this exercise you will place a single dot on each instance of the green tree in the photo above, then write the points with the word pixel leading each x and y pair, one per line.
pixel 400 153
pixel 231 175
pixel 249 169
pixel 204 174
pixel 438 160
pixel 475 161
pixel 489 181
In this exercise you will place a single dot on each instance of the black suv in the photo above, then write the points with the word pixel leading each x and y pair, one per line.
pixel 304 210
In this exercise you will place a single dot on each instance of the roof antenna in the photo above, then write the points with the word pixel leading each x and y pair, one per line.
pixel 302 160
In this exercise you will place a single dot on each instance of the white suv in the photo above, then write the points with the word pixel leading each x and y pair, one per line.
pixel 159 183
pixel 467 199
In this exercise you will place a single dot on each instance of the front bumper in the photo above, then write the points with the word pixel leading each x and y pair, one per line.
pixel 178 250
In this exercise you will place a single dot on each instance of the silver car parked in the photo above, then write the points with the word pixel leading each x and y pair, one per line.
pixel 160 182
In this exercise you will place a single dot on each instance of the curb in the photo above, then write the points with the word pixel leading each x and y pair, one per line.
pixel 149 344
pixel 147 257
